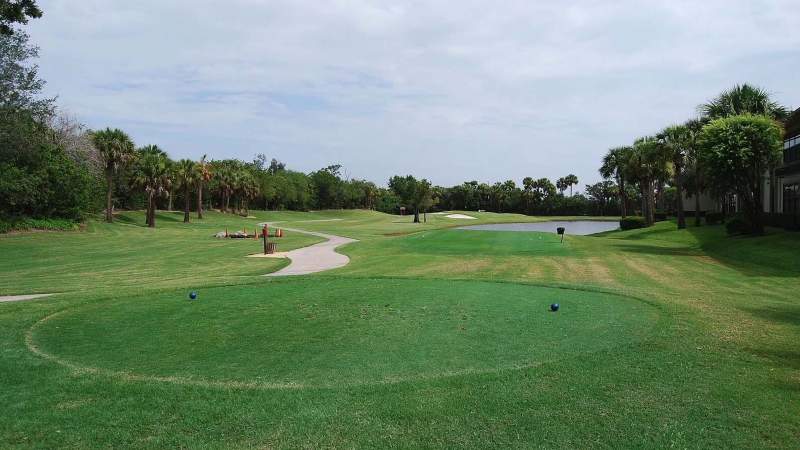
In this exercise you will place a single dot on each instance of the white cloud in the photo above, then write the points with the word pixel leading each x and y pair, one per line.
pixel 446 90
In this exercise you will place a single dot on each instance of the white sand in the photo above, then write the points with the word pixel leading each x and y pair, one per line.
pixel 460 216
pixel 270 255
pixel 19 298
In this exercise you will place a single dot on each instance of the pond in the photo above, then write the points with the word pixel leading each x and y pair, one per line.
pixel 574 227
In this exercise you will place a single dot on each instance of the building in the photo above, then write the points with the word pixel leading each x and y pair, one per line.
pixel 781 190
pixel 785 198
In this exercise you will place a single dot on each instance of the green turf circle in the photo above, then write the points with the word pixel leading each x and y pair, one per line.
pixel 328 332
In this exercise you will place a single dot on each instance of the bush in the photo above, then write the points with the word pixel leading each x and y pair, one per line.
pixel 660 216
pixel 714 218
pixel 739 225
pixel 632 223
pixel 22 224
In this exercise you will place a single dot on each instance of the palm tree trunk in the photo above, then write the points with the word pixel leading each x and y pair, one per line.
pixel 147 210
pixel 152 223
pixel 623 198
pixel 679 206
pixel 109 195
pixel 697 182
pixel 643 191
pixel 651 206
pixel 186 205
pixel 200 200
pixel 169 205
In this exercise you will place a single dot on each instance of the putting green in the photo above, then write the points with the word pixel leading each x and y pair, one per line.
pixel 327 332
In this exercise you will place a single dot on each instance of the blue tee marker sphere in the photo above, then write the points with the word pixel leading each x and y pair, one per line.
pixel 193 295
pixel 554 307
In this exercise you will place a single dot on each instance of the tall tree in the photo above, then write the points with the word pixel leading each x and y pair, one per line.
pixel 16 12
pixel 185 178
pixel 571 180
pixel 20 85
pixel 415 193
pixel 694 180
pixel 202 177
pixel 116 150
pixel 562 185
pixel 151 173
pixel 743 99
pixel 602 193
pixel 614 163
pixel 648 164
pixel 736 152
pixel 677 139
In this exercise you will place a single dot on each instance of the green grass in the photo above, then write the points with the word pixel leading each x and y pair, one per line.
pixel 430 337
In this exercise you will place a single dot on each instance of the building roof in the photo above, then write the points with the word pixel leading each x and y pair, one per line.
pixel 792 124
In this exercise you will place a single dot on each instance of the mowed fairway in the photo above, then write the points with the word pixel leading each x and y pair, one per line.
pixel 430 337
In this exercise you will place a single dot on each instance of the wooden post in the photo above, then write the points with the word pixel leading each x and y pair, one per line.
pixel 264 233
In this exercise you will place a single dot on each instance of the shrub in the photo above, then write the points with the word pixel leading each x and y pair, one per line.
pixel 739 225
pixel 660 216
pixel 714 218
pixel 22 224
pixel 632 223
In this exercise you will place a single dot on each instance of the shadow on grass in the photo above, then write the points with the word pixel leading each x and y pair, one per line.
pixel 138 219
pixel 777 254
pixel 657 250
pixel 782 314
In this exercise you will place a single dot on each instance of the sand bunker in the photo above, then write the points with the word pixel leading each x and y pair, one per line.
pixel 459 216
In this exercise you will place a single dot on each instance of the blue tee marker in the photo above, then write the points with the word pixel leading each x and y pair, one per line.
pixel 554 307
pixel 193 295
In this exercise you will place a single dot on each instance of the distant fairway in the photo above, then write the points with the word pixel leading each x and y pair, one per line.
pixel 339 332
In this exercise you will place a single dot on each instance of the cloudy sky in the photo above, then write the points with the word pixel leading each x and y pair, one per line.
pixel 447 90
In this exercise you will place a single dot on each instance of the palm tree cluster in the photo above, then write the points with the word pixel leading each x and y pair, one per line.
pixel 673 156
pixel 150 170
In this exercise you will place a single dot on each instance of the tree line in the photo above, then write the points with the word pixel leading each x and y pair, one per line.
pixel 725 153
pixel 54 167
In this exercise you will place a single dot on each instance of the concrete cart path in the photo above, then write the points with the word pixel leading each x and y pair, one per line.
pixel 315 258
pixel 19 298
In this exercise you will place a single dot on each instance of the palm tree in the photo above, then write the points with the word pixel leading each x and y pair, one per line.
pixel 743 99
pixel 648 164
pixel 677 139
pixel 185 177
pixel 223 175
pixel 152 174
pixel 203 175
pixel 571 180
pixel 693 172
pixel 614 163
pixel 116 150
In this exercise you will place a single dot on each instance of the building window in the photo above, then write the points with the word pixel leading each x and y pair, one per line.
pixel 791 198
pixel 791 150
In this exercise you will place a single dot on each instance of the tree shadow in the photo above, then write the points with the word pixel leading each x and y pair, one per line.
pixel 782 314
pixel 138 219
pixel 658 250
pixel 776 254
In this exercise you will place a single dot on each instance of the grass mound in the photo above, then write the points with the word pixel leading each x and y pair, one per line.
pixel 333 332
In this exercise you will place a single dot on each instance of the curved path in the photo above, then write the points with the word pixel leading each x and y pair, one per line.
pixel 314 258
